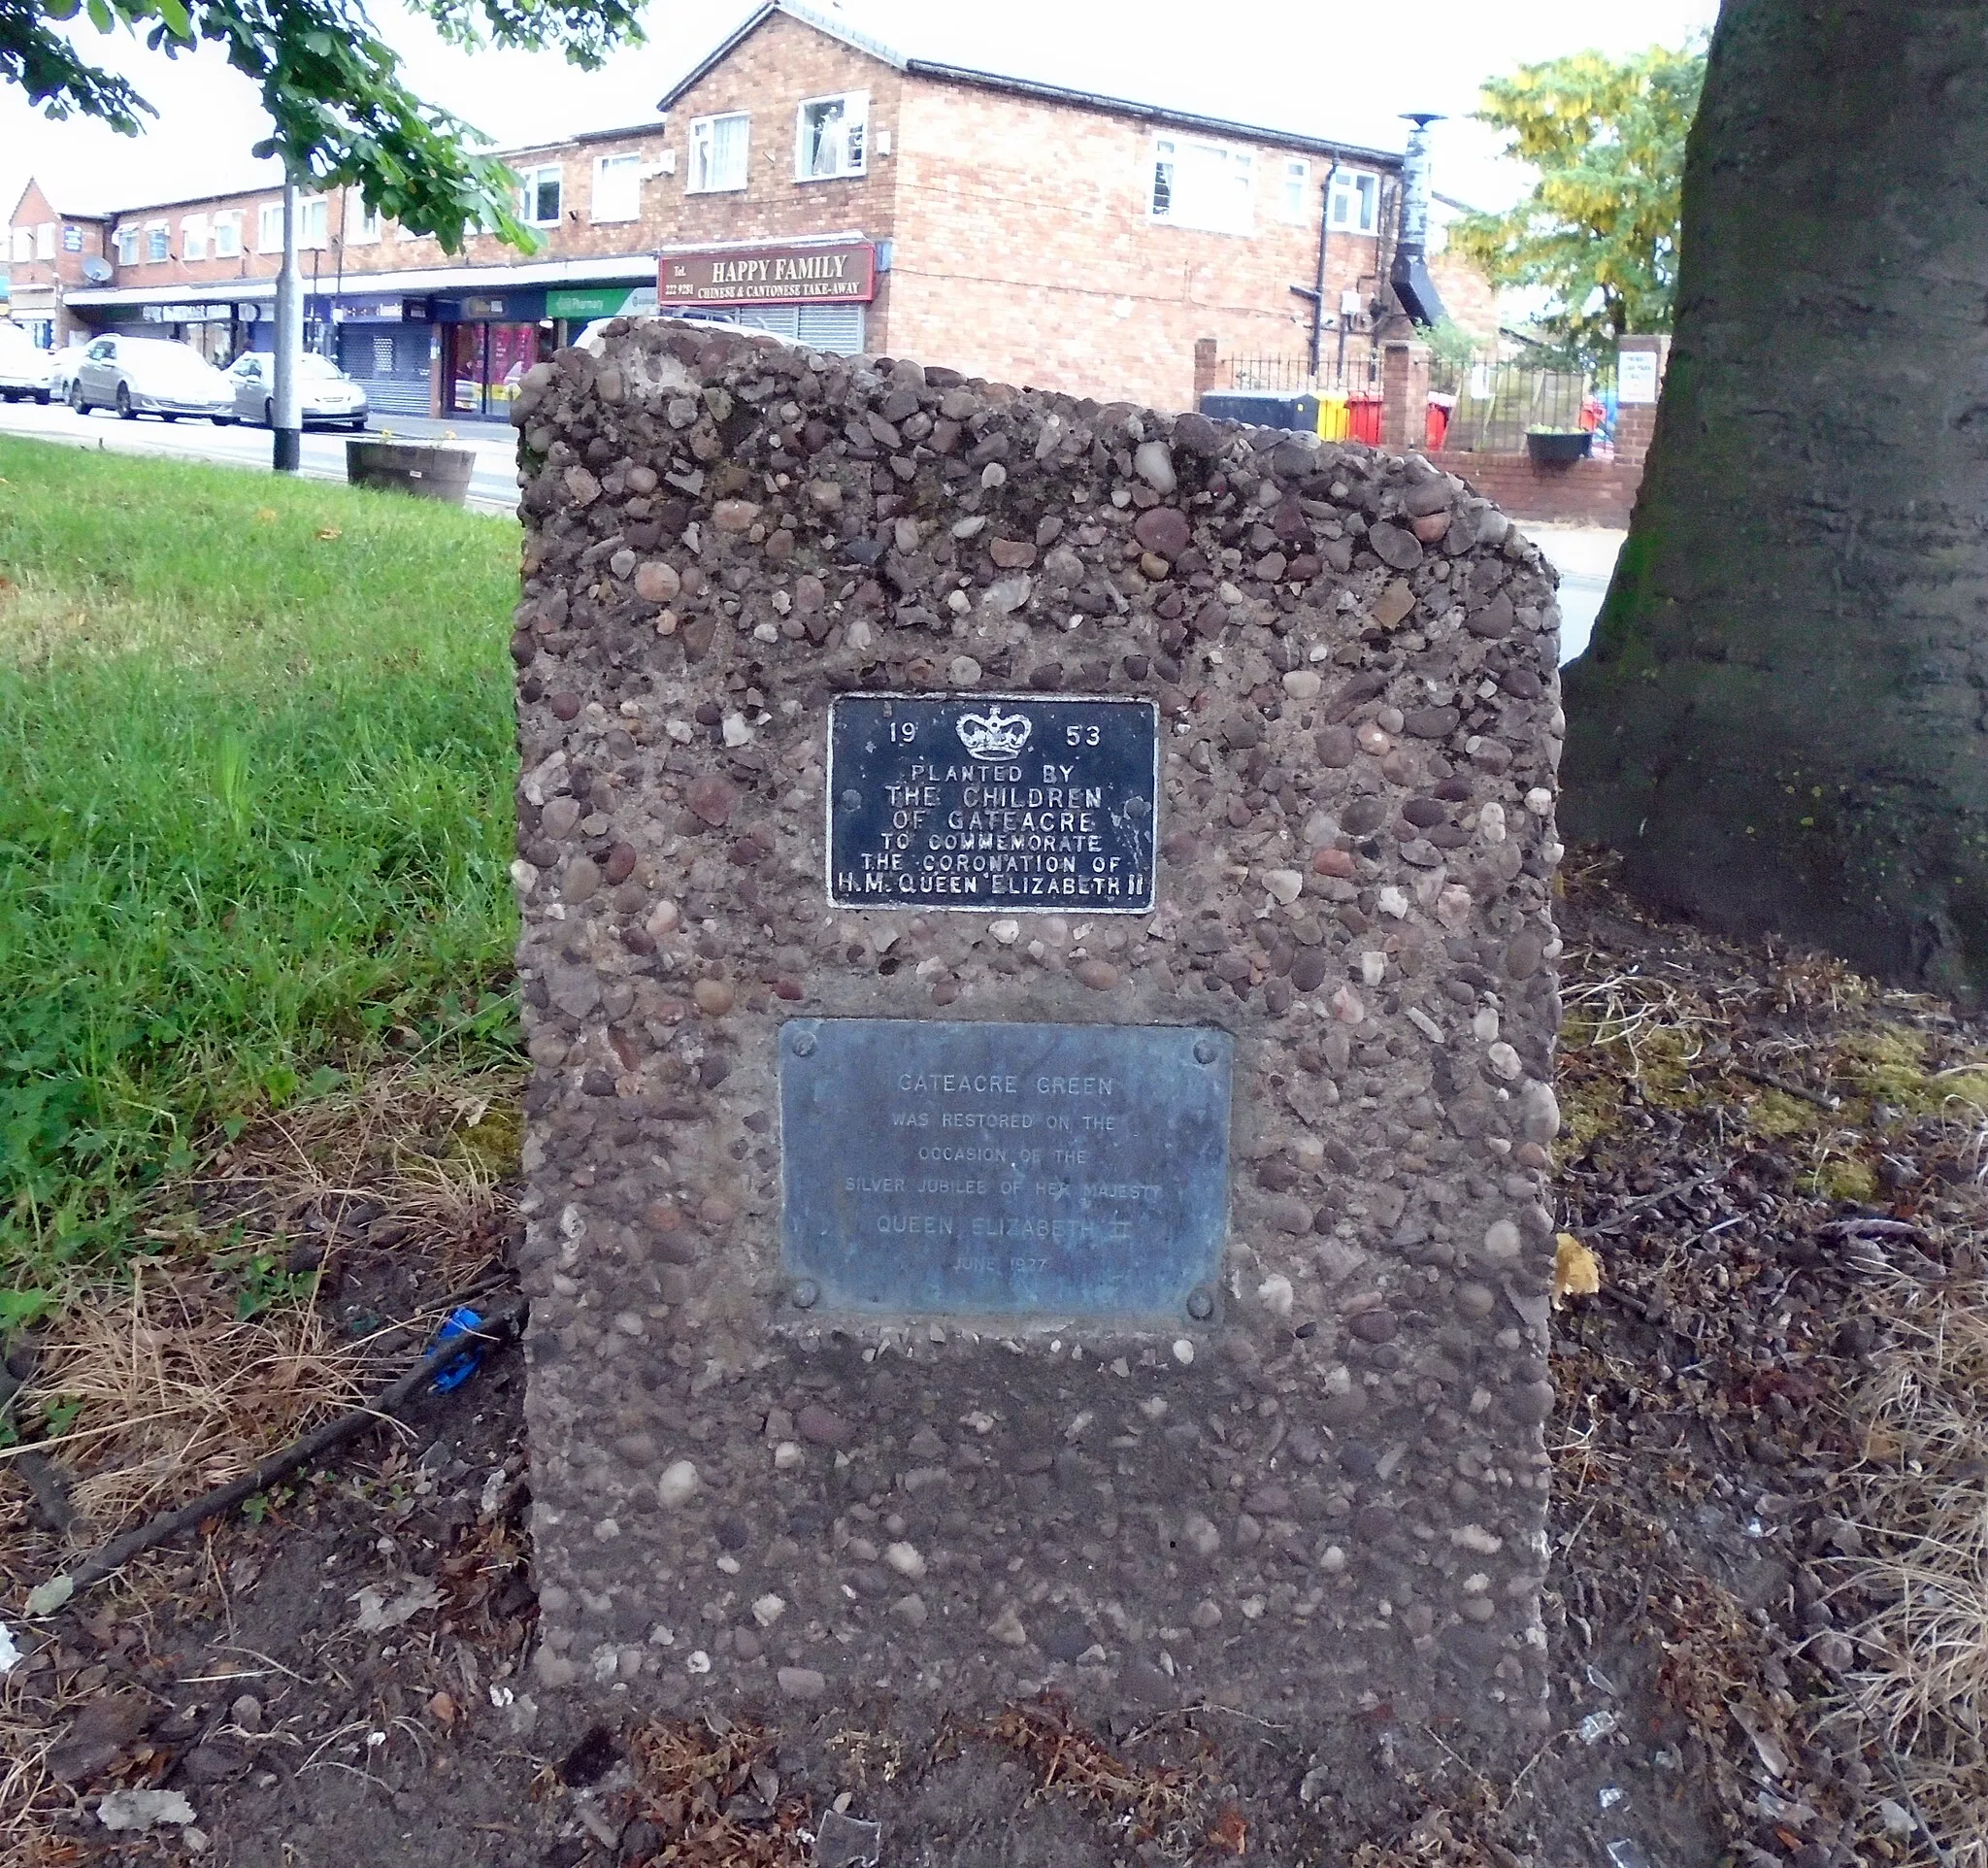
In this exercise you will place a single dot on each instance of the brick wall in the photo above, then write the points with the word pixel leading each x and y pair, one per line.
pixel 1584 493
pixel 1027 251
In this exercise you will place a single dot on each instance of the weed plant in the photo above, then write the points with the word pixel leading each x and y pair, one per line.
pixel 255 765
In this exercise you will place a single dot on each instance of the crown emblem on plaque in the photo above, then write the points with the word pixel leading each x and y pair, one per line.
pixel 994 735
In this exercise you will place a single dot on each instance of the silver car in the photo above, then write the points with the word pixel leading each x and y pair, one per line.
pixel 327 397
pixel 150 376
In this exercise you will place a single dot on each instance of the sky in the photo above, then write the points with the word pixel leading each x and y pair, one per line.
pixel 1333 70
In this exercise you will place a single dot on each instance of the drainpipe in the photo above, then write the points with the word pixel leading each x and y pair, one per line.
pixel 1409 274
pixel 1318 284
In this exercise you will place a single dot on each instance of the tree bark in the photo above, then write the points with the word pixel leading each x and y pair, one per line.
pixel 1783 724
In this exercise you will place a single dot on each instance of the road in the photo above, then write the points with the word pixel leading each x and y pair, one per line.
pixel 493 483
pixel 1584 555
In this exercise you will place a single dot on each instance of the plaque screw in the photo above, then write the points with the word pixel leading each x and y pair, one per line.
pixel 851 799
pixel 1203 1050
pixel 1200 1306
pixel 804 1043
pixel 807 1295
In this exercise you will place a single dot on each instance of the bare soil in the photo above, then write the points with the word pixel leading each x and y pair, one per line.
pixel 1778 1169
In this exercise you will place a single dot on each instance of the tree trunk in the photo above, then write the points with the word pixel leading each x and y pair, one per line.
pixel 1780 725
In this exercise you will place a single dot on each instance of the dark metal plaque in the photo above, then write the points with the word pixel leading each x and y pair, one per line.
pixel 994 803
pixel 1021 1170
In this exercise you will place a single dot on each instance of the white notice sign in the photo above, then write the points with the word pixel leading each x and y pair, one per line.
pixel 1635 376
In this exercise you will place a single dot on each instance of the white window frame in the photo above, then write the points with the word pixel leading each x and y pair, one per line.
pixel 269 226
pixel 1294 192
pixel 1353 209
pixel 159 233
pixel 45 241
pixel 126 240
pixel 227 234
pixel 626 166
pixel 855 117
pixel 362 224
pixel 1208 187
pixel 313 223
pixel 702 177
pixel 193 237
pixel 23 246
pixel 529 182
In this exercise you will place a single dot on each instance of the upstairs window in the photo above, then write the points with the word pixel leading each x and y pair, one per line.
pixel 717 152
pixel 23 245
pixel 268 228
pixel 1355 201
pixel 1204 184
pixel 45 241
pixel 193 237
pixel 617 187
pixel 538 195
pixel 127 246
pixel 1294 198
pixel 362 223
pixel 227 235
pixel 158 243
pixel 314 221
pixel 829 136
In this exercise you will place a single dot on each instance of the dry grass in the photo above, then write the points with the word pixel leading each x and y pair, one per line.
pixel 163 1395
pixel 1917 1595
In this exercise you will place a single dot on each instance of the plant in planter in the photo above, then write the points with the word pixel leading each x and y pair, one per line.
pixel 1558 447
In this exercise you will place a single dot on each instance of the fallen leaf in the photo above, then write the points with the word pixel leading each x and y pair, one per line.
pixel 330 531
pixel 47 1597
pixel 443 1709
pixel 376 1614
pixel 1229 1832
pixel 143 1808
pixel 265 516
pixel 1576 1271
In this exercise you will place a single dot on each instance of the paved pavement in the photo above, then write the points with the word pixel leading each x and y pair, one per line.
pixel 493 483
pixel 1583 554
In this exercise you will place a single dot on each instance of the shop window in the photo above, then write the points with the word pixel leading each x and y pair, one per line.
pixel 158 243
pixel 268 228
pixel 45 241
pixel 362 223
pixel 193 237
pixel 538 195
pixel 1355 201
pixel 1294 199
pixel 717 152
pixel 127 246
pixel 23 245
pixel 227 235
pixel 617 187
pixel 1203 184
pixel 829 136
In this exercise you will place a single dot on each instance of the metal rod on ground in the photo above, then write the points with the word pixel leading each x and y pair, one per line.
pixel 119 1550
pixel 286 421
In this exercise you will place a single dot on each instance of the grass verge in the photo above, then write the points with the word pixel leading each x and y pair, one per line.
pixel 256 753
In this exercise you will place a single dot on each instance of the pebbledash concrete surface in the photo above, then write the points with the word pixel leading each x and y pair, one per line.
pixel 950 1369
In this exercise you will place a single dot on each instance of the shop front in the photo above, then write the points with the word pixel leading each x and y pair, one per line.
pixel 487 345
pixel 814 292
pixel 572 308
pixel 221 331
pixel 390 344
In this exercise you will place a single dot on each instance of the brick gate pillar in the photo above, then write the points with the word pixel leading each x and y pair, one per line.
pixel 1404 394
pixel 1640 365
pixel 1205 368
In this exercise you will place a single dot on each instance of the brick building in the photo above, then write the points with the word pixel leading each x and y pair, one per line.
pixel 50 251
pixel 816 180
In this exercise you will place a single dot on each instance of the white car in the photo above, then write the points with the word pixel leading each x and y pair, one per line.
pixel 64 366
pixel 24 367
pixel 327 397
pixel 150 376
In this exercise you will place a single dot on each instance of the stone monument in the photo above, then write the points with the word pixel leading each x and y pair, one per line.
pixel 1039 970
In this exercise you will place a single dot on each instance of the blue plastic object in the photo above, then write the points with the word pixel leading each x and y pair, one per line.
pixel 452 1375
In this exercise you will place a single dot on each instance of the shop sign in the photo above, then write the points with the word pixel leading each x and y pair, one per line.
pixel 188 313
pixel 370 310
pixel 473 308
pixel 602 301
pixel 844 274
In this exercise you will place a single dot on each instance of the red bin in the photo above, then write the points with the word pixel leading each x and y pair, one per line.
pixel 1363 418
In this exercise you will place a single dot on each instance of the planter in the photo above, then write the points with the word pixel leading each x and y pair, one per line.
pixel 1549 448
pixel 414 467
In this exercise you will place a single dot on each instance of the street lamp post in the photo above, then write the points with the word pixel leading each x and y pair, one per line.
pixel 286 421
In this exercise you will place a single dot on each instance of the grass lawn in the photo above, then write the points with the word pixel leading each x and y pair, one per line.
pixel 255 768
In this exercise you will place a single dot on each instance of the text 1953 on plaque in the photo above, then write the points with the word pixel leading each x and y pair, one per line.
pixel 933 1167
pixel 992 803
